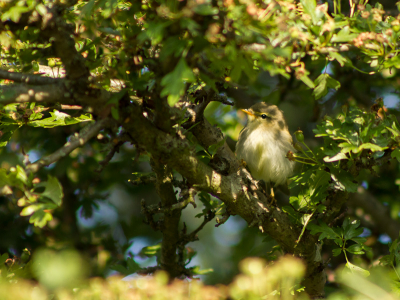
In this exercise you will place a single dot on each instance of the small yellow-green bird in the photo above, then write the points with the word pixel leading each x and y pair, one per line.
pixel 264 144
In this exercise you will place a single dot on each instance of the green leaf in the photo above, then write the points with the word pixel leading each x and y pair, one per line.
pixel 41 9
pixel 154 32
pixel 355 249
pixel 196 270
pixel 307 81
pixel 205 10
pixel 336 157
pixel 355 269
pixel 309 7
pixel 344 35
pixel 344 181
pixel 87 9
pixel 60 119
pixel 208 202
pixel 27 211
pixel 214 148
pixel 20 175
pixel 53 190
pixel 323 83
pixel 3 258
pixel 325 230
pixel 337 251
pixel 340 59
pixel 151 250
pixel 6 131
pixel 133 266
pixel 174 82
pixel 359 240
pixel 114 99
pixel 40 218
pixel 371 147
pixel 12 179
pixel 14 13
pixel 347 147
pixel 396 154
pixel 350 229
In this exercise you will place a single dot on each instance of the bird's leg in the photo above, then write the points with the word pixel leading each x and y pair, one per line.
pixel 271 193
pixel 243 163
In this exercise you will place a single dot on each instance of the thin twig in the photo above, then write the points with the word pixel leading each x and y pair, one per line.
pixel 223 219
pixel 193 235
pixel 180 205
pixel 145 179
pixel 149 216
pixel 109 156
pixel 28 78
pixel 76 141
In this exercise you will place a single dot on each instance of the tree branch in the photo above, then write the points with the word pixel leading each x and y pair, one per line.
pixel 231 189
pixel 28 78
pixel 110 155
pixel 49 93
pixel 76 141
pixel 170 228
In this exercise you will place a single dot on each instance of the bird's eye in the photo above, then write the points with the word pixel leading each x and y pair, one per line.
pixel 264 116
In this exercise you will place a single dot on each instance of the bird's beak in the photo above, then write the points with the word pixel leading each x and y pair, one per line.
pixel 247 112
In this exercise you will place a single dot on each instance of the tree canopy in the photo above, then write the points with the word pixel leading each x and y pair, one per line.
pixel 118 123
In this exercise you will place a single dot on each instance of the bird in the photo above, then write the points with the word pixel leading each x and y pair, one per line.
pixel 264 144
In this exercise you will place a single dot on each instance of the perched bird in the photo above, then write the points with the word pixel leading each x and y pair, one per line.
pixel 264 143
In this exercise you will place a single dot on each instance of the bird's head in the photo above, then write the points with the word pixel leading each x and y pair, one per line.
pixel 265 115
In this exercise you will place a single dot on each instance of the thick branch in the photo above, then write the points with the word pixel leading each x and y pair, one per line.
pixel 170 228
pixel 49 93
pixel 239 198
pixel 224 160
pixel 76 141
pixel 28 78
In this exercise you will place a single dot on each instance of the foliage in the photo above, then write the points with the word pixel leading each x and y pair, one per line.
pixel 103 103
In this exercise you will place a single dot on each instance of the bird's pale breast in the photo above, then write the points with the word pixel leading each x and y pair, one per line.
pixel 264 152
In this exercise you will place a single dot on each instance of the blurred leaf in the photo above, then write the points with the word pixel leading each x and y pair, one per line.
pixel 53 190
pixel 355 269
pixel 396 154
pixel 40 218
pixel 3 258
pixel 174 82
pixel 6 131
pixel 58 269
pixel 344 35
pixel 337 251
pixel 196 270
pixel 309 7
pixel 205 10
pixel 151 250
